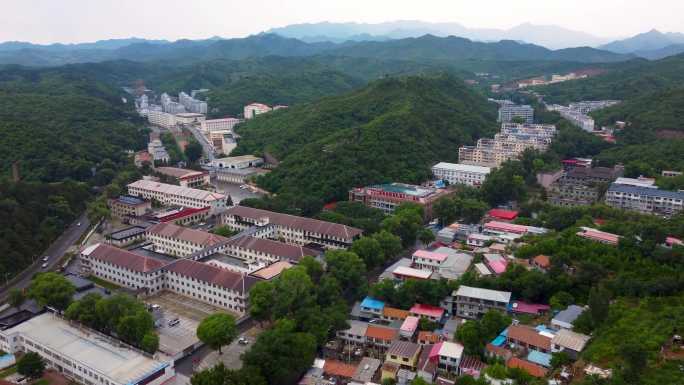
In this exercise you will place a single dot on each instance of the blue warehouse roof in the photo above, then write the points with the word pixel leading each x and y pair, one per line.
pixel 372 303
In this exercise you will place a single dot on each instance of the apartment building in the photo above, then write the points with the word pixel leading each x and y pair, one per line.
pixel 168 194
pixel 387 197
pixel 508 112
pixel 84 355
pixel 266 251
pixel 157 151
pixel 191 104
pixel 508 144
pixel 289 228
pixel 403 353
pixel 254 109
pixel 355 335
pixel 179 241
pixel 645 200
pixel 123 267
pixel 474 302
pixel 211 125
pixel 524 130
pixel 161 118
pixel 582 186
pixel 456 173
pixel 598 236
pixel 125 206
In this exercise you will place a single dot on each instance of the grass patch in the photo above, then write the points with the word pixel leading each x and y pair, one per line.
pixel 8 371
pixel 103 283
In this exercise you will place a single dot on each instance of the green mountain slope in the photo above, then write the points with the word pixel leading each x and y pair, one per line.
pixel 453 48
pixel 659 111
pixel 630 80
pixel 60 124
pixel 391 130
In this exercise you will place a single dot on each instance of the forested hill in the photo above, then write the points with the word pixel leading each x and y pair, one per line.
pixel 661 112
pixel 392 130
pixel 61 124
pixel 63 127
pixel 634 79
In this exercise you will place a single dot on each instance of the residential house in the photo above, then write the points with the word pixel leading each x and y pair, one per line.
pixel 355 334
pixel 432 313
pixel 598 236
pixel 427 365
pixel 390 314
pixel 474 302
pixel 529 367
pixel 408 327
pixel 541 262
pixel 570 342
pixel 450 355
pixel 533 309
pixel 526 337
pixel 380 337
pixel 565 318
pixel 403 353
pixel 372 308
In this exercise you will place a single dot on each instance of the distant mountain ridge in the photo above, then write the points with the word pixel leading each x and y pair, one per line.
pixel 651 45
pixel 424 48
pixel 549 36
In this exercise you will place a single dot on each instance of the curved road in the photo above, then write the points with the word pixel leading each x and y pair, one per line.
pixel 56 250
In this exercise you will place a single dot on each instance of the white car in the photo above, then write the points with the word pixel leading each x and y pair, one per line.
pixel 243 341
pixel 44 266
pixel 46 258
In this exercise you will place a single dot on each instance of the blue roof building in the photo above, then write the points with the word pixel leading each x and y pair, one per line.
pixel 539 358
pixel 372 305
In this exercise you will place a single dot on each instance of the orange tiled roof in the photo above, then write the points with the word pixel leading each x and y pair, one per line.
pixel 529 336
pixel 533 369
pixel 392 312
pixel 379 332
pixel 338 369
pixel 542 261
pixel 428 337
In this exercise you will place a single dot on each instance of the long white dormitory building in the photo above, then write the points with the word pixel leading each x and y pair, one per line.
pixel 292 229
pixel 457 173
pixel 183 242
pixel 169 194
pixel 219 287
pixel 84 355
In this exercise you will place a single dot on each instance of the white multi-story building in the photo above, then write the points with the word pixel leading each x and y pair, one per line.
pixel 291 229
pixel 223 141
pixel 213 285
pixel 261 250
pixel 206 283
pixel 190 118
pixel 180 241
pixel 84 355
pixel 509 111
pixel 219 124
pixel 161 119
pixel 185 177
pixel 191 104
pixel 456 173
pixel 123 267
pixel 170 106
pixel 474 302
pixel 237 162
pixel 645 199
pixel 254 109
pixel 168 194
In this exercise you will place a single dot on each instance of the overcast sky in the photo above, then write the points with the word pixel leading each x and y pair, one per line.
pixel 49 21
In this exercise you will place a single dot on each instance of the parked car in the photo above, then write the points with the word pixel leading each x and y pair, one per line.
pixel 46 258
pixel 243 341
pixel 173 322
pixel 44 266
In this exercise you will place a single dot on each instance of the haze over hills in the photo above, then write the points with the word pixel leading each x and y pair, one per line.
pixel 651 45
pixel 427 47
pixel 549 36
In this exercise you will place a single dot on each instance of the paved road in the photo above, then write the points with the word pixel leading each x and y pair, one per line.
pixel 208 149
pixel 55 251
pixel 185 365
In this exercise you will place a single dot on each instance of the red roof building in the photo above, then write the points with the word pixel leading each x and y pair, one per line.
pixel 502 215
pixel 434 313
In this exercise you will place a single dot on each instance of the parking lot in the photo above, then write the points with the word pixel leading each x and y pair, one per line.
pixel 231 353
pixel 176 337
